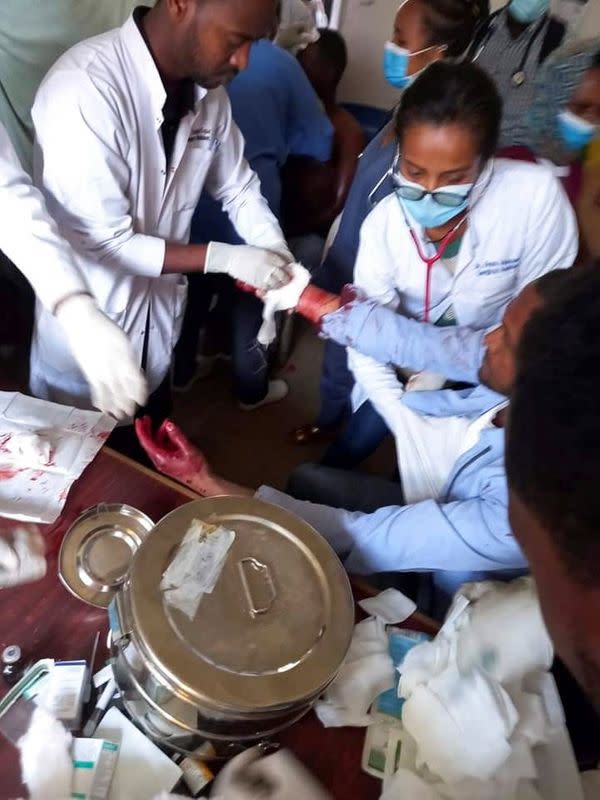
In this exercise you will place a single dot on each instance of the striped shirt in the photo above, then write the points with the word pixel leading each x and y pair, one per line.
pixel 501 58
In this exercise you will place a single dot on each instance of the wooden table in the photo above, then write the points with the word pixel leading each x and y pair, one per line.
pixel 48 622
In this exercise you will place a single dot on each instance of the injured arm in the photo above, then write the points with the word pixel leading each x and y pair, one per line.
pixel 380 333
pixel 465 535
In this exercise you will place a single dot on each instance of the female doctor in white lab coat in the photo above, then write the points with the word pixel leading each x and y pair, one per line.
pixel 461 235
pixel 30 238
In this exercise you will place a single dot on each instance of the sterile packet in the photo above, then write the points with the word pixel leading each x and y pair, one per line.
pixel 94 762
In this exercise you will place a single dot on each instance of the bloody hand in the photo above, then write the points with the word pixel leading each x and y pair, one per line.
pixel 170 451
pixel 315 303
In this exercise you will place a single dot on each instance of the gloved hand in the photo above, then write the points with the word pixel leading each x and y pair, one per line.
pixel 275 777
pixel 170 451
pixel 263 269
pixel 105 357
pixel 21 556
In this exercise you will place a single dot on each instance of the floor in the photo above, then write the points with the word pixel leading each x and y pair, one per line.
pixel 253 448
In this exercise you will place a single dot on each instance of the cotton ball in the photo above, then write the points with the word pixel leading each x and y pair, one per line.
pixel 46 765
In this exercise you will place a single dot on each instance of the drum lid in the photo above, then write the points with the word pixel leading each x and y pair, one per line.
pixel 274 630
pixel 98 549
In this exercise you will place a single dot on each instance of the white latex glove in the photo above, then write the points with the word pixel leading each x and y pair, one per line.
pixel 105 357
pixel 263 269
pixel 276 777
pixel 21 556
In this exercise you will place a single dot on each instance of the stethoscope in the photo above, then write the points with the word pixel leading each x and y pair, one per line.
pixel 519 77
pixel 443 244
pixel 429 261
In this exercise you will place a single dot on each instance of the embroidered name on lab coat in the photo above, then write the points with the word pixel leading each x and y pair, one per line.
pixel 204 135
pixel 496 267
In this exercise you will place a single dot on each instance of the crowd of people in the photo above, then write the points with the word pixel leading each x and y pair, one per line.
pixel 148 171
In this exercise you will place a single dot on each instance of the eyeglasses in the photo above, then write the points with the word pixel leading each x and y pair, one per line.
pixel 409 192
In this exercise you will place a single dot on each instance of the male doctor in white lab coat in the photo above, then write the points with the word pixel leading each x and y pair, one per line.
pixel 29 237
pixel 130 126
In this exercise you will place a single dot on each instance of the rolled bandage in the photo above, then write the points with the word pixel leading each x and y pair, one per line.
pixel 312 303
pixel 286 298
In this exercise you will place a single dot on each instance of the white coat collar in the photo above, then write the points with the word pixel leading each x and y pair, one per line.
pixel 147 77
pixel 471 238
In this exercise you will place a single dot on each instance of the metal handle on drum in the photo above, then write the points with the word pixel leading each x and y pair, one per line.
pixel 250 570
pixel 120 629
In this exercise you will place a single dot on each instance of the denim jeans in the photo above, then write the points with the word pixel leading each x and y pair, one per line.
pixel 363 434
pixel 335 387
pixel 339 488
pixel 243 312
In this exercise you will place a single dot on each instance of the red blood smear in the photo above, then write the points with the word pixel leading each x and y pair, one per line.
pixel 315 303
pixel 6 473
pixel 246 287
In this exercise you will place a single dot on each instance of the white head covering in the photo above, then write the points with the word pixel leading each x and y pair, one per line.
pixel 299 23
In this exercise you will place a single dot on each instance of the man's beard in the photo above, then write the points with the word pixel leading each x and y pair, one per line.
pixel 216 80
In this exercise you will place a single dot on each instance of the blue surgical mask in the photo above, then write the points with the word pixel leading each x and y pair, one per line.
pixel 575 132
pixel 430 214
pixel 527 11
pixel 395 64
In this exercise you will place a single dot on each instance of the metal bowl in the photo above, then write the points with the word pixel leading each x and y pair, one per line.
pixel 98 550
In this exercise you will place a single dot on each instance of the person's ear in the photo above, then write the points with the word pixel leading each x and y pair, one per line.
pixel 178 9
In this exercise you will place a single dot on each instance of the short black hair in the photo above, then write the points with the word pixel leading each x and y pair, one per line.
pixel 451 23
pixel 332 51
pixel 553 437
pixel 595 61
pixel 454 93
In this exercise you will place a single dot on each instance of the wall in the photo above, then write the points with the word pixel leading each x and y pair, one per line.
pixel 366 26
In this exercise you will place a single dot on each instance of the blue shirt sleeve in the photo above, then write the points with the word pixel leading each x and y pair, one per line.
pixel 390 338
pixel 471 534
